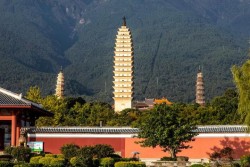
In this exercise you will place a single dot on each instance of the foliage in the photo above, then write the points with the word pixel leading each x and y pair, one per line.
pixel 168 159
pixel 45 161
pixel 164 128
pixel 6 164
pixel 107 162
pixel 103 150
pixel 223 154
pixel 34 94
pixel 19 153
pixel 242 80
pixel 69 150
pixel 130 164
pixel 57 162
pixel 35 160
pixel 245 161
pixel 197 165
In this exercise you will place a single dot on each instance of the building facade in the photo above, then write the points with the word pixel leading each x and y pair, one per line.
pixel 15 113
pixel 122 139
pixel 123 69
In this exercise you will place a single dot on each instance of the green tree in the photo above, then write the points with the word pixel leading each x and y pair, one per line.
pixel 34 94
pixel 241 77
pixel 166 129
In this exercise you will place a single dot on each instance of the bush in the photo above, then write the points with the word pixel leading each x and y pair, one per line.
pixel 81 161
pixel 130 164
pixel 168 159
pixel 35 160
pixel 8 150
pixel 60 156
pixel 45 161
pixel 107 162
pixel 245 161
pixel 69 150
pixel 57 162
pixel 6 164
pixel 103 150
pixel 50 155
pixel 197 165
pixel 21 153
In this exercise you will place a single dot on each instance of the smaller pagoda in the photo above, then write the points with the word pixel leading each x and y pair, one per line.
pixel 200 91
pixel 60 85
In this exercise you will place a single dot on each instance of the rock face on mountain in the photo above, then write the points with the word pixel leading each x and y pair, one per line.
pixel 171 39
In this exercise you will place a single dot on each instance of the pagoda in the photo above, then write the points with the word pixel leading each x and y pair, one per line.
pixel 200 91
pixel 60 85
pixel 123 69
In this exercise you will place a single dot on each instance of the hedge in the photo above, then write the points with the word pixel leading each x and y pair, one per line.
pixel 106 162
pixel 130 164
pixel 6 164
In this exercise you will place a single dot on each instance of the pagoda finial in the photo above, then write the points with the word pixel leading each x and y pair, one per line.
pixel 124 21
pixel 199 70
pixel 61 68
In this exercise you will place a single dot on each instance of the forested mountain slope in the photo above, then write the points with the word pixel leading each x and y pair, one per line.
pixel 171 39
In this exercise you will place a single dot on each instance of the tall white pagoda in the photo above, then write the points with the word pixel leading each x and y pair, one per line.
pixel 200 91
pixel 123 69
pixel 60 85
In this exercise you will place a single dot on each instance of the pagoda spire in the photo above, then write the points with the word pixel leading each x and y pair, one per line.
pixel 60 84
pixel 123 69
pixel 124 21
pixel 200 91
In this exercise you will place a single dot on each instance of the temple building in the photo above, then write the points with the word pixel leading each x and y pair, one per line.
pixel 16 112
pixel 200 92
pixel 60 85
pixel 123 69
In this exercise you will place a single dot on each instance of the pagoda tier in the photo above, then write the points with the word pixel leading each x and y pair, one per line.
pixel 200 91
pixel 123 69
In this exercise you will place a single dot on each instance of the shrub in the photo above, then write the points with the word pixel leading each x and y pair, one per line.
pixel 21 153
pixel 69 150
pixel 103 150
pixel 168 159
pixel 50 155
pixel 73 161
pixel 130 164
pixel 81 161
pixel 60 156
pixel 245 161
pixel 57 162
pixel 8 150
pixel 35 160
pixel 197 165
pixel 86 152
pixel 6 164
pixel 107 162
pixel 45 161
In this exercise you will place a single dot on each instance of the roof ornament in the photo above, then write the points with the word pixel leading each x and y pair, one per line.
pixel 124 21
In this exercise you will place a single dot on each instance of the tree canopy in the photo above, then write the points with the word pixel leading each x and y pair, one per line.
pixel 164 127
pixel 241 77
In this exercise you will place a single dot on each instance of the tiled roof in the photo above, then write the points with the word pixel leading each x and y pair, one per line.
pixel 128 130
pixel 9 99
pixel 88 130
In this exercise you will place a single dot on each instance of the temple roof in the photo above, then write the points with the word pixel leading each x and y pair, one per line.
pixel 129 130
pixel 162 100
pixel 10 99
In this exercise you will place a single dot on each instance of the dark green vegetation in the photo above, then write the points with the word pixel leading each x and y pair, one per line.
pixel 242 79
pixel 77 112
pixel 171 39
pixel 164 128
pixel 71 155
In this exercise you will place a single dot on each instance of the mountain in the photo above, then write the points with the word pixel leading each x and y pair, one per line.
pixel 171 40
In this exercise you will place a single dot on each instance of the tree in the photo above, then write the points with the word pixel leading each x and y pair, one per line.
pixel 34 94
pixel 164 128
pixel 241 77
